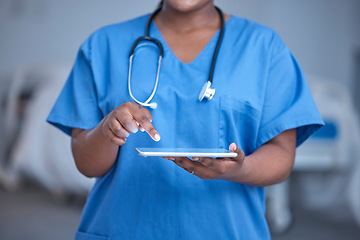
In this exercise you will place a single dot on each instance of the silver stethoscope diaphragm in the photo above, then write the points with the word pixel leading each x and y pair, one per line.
pixel 206 92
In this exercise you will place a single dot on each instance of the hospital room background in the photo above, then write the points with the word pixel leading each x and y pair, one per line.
pixel 41 192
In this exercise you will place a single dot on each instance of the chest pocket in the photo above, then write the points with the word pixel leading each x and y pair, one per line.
pixel 239 123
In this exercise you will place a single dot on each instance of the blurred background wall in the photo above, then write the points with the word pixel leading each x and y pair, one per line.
pixel 324 36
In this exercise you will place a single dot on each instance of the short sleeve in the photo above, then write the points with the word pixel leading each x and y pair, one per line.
pixel 288 102
pixel 77 105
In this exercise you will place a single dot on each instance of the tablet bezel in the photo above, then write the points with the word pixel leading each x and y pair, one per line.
pixel 185 152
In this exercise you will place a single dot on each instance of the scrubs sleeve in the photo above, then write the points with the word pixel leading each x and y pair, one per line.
pixel 288 102
pixel 77 105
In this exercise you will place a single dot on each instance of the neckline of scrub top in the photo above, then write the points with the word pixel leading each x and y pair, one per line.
pixel 156 32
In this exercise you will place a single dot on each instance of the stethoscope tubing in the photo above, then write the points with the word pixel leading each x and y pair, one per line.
pixel 147 38
pixel 206 92
pixel 218 44
pixel 147 102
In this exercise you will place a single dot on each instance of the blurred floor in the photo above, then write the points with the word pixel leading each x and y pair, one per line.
pixel 32 213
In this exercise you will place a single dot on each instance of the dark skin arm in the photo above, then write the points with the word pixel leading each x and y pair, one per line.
pixel 95 150
pixel 270 164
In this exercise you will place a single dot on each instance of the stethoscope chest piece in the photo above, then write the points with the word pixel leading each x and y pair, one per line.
pixel 206 92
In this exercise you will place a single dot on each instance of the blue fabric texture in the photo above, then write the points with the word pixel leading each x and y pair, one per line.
pixel 260 92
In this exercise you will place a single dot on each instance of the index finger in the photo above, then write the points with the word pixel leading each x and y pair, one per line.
pixel 142 116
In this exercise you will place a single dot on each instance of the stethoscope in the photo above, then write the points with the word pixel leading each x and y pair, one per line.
pixel 206 92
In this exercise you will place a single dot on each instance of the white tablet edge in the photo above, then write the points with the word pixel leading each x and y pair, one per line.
pixel 185 154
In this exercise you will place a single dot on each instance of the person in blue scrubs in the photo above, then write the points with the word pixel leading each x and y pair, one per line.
pixel 262 110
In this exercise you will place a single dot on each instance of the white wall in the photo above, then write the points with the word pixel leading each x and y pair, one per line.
pixel 51 30
pixel 322 34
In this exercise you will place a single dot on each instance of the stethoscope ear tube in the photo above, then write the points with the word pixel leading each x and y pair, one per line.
pixel 147 38
pixel 147 102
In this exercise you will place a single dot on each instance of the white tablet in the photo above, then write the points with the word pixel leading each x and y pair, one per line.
pixel 185 152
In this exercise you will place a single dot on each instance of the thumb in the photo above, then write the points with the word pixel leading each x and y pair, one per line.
pixel 234 148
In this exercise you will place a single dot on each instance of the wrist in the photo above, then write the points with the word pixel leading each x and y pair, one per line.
pixel 240 173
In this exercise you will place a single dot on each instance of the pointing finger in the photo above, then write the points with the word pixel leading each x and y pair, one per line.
pixel 143 117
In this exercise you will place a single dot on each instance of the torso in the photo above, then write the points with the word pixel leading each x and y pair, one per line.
pixel 169 194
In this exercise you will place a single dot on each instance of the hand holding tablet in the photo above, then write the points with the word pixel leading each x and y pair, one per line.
pixel 204 163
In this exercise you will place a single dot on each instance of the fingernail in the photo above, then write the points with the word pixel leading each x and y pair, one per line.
pixel 142 129
pixel 232 147
pixel 157 137
pixel 132 128
pixel 195 159
pixel 127 134
pixel 172 159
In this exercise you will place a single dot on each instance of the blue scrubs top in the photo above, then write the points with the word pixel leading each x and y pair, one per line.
pixel 260 92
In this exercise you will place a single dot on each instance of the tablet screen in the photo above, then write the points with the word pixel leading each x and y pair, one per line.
pixel 185 152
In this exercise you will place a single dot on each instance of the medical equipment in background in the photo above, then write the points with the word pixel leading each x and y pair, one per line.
pixel 328 164
pixel 38 151
pixel 206 92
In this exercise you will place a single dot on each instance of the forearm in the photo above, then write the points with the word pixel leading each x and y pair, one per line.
pixel 270 164
pixel 94 154
pixel 95 150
